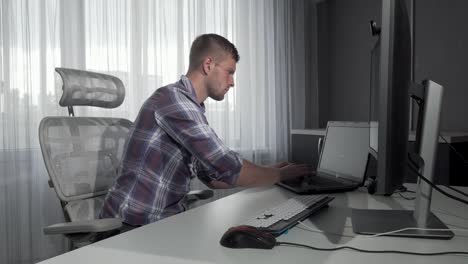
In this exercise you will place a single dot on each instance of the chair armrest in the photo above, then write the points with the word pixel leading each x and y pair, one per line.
pixel 200 195
pixel 86 226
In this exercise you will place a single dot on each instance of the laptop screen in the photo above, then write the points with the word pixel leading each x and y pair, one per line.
pixel 345 150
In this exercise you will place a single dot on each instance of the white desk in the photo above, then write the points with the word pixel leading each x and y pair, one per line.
pixel 193 236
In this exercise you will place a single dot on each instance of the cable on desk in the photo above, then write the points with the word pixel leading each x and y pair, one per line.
pixel 461 157
pixel 374 251
pixel 419 175
pixel 403 189
pixel 454 149
pixel 405 197
pixel 432 184
pixel 420 102
pixel 456 190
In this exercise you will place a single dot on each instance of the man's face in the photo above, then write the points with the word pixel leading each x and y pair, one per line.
pixel 221 78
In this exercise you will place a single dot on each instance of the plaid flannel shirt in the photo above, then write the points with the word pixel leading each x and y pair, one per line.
pixel 170 141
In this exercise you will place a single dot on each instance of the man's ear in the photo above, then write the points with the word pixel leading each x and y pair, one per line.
pixel 207 64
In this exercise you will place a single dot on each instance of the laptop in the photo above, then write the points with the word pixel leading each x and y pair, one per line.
pixel 342 163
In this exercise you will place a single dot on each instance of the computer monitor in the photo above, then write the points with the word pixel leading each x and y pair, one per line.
pixel 389 130
pixel 391 80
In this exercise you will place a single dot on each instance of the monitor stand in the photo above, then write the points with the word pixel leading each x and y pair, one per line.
pixel 372 222
pixel 369 221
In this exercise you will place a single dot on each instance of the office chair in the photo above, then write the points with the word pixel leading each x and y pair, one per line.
pixel 82 155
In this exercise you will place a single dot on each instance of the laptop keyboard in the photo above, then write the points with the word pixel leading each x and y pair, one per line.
pixel 319 181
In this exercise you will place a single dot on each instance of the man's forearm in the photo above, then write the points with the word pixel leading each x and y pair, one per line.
pixel 254 175
pixel 250 175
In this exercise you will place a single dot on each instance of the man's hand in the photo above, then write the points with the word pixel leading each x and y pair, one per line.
pixel 218 185
pixel 255 175
pixel 279 165
pixel 293 171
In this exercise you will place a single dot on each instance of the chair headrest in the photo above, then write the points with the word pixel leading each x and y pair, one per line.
pixel 90 89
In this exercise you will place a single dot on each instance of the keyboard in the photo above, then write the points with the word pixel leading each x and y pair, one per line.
pixel 280 218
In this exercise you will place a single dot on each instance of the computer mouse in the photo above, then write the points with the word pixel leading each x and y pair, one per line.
pixel 245 236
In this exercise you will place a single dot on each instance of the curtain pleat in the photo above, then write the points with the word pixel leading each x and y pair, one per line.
pixel 146 44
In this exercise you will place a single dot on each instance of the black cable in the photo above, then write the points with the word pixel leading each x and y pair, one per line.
pixel 461 157
pixel 456 190
pixel 403 189
pixel 432 184
pixel 406 198
pixel 446 186
pixel 419 101
pixel 454 150
pixel 374 251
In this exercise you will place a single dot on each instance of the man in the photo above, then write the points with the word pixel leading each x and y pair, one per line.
pixel 172 139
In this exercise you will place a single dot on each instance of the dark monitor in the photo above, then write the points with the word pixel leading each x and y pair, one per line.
pixel 389 131
pixel 390 81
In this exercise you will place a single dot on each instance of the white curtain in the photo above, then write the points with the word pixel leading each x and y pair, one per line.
pixel 146 44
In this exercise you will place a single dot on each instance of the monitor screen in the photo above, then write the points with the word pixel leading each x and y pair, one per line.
pixel 345 150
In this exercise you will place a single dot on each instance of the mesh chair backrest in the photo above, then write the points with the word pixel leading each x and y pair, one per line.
pixel 87 209
pixel 90 89
pixel 82 154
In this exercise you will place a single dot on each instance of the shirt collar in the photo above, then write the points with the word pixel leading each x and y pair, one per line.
pixel 187 86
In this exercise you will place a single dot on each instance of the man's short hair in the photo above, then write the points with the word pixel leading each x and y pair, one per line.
pixel 214 44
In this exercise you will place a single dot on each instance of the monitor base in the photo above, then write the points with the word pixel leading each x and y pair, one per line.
pixel 371 222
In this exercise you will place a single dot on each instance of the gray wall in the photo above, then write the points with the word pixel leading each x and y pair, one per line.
pixel 348 43
pixel 344 44
pixel 442 55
